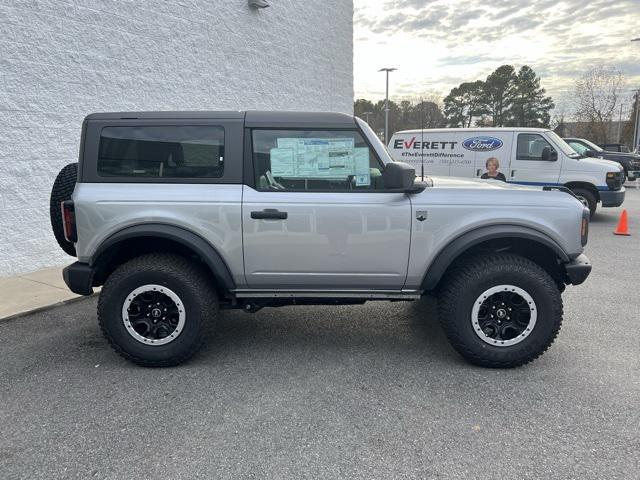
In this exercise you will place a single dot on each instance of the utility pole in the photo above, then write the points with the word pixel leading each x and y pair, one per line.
pixel 636 127
pixel 386 104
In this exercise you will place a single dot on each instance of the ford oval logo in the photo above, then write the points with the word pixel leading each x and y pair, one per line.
pixel 482 144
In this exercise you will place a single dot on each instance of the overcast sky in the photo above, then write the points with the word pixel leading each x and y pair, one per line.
pixel 437 44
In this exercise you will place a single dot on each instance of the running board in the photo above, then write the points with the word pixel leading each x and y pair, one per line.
pixel 362 294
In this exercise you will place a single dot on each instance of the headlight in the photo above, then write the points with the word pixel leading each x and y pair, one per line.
pixel 614 180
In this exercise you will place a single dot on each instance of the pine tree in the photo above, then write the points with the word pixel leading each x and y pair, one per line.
pixel 499 94
pixel 529 106
pixel 464 103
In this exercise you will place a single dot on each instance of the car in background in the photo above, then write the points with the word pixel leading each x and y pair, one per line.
pixel 629 161
pixel 615 147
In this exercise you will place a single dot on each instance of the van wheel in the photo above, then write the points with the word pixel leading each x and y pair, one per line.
pixel 587 198
pixel 500 310
pixel 157 309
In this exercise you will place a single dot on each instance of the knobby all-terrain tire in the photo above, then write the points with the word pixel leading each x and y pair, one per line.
pixel 62 190
pixel 184 277
pixel 589 197
pixel 468 280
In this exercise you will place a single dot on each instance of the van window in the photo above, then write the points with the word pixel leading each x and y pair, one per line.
pixel 314 160
pixel 161 152
pixel 530 146
pixel 578 147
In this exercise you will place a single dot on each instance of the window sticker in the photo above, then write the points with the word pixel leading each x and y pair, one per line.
pixel 330 158
pixel 362 172
pixel 282 164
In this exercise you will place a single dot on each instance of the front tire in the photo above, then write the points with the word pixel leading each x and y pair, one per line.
pixel 500 310
pixel 157 310
pixel 588 199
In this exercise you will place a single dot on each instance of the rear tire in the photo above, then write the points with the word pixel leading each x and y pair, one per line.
pixel 470 287
pixel 62 190
pixel 134 323
pixel 587 198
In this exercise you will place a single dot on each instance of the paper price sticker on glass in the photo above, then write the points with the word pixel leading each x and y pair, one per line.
pixel 309 158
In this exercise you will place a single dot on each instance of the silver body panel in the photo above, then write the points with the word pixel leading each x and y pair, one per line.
pixel 455 206
pixel 212 211
pixel 329 240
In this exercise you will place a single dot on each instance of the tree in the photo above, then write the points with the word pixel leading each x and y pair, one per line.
pixel 402 116
pixel 597 95
pixel 499 92
pixel 464 103
pixel 428 114
pixel 529 106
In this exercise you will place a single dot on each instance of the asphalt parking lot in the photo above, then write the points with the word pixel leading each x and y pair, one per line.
pixel 368 391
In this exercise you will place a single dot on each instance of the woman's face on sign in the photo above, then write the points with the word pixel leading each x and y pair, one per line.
pixel 492 166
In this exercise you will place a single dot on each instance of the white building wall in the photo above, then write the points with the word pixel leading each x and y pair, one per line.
pixel 63 59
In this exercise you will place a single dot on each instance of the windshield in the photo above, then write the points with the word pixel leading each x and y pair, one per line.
pixel 378 145
pixel 592 145
pixel 561 144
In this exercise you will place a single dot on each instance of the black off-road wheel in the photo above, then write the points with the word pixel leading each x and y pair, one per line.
pixel 500 310
pixel 62 190
pixel 157 310
pixel 587 198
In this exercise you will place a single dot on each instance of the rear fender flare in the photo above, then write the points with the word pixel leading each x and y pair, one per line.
pixel 201 247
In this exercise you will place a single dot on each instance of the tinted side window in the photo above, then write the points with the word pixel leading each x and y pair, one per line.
pixel 314 160
pixel 161 152
pixel 530 146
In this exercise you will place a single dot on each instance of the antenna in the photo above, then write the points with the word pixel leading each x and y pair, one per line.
pixel 422 138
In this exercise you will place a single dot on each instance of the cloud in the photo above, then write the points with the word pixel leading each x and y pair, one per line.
pixel 437 44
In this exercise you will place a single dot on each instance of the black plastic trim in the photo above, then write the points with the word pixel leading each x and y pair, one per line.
pixel 612 198
pixel 474 237
pixel 578 269
pixel 78 277
pixel 199 245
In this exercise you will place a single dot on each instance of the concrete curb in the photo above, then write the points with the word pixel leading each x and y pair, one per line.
pixel 15 316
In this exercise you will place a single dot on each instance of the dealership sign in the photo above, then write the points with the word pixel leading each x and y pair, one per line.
pixel 482 144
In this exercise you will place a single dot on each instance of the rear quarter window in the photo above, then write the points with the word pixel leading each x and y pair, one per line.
pixel 161 152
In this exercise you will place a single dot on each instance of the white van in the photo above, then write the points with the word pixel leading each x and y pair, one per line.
pixel 526 156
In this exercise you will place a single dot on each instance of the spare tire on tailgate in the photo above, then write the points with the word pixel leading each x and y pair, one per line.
pixel 61 191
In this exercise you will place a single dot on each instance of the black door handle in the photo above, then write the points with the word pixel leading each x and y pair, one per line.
pixel 269 214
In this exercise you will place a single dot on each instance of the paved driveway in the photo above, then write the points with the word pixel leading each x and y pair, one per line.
pixel 334 392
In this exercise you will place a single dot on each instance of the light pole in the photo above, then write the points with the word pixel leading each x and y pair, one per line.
pixel 636 127
pixel 366 116
pixel 386 104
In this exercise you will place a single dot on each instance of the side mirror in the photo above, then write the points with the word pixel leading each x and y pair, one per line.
pixel 401 177
pixel 549 155
pixel 589 153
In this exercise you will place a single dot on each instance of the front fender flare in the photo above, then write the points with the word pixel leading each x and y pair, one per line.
pixel 446 256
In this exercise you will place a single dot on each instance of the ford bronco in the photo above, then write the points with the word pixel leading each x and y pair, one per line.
pixel 178 215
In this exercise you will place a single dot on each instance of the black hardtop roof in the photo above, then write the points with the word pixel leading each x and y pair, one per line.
pixel 251 118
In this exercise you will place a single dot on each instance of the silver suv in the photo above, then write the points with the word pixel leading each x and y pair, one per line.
pixel 179 215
